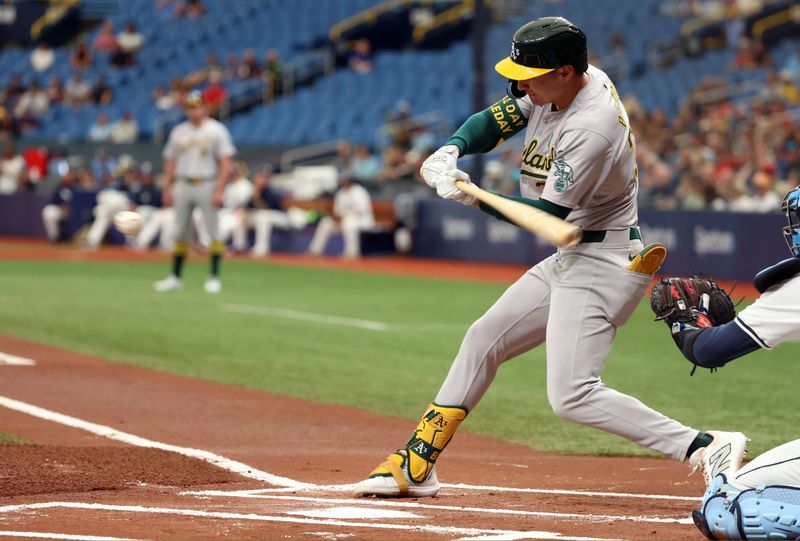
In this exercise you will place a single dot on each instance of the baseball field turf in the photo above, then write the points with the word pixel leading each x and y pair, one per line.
pixel 382 343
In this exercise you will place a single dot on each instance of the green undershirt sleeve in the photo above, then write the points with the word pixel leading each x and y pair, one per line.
pixel 542 204
pixel 488 128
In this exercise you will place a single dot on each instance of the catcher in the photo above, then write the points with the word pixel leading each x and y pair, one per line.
pixel 702 317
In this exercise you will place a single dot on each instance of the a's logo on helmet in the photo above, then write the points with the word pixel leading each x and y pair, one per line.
pixel 514 52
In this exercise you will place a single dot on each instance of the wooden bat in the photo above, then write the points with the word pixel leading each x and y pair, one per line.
pixel 552 229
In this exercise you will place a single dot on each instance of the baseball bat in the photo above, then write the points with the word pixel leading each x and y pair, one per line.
pixel 552 229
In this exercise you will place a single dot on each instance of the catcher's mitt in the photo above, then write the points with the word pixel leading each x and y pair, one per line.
pixel 689 305
pixel 681 299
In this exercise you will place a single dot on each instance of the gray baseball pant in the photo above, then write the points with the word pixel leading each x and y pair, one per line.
pixel 185 197
pixel 573 300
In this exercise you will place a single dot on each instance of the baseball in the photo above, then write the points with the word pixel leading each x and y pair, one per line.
pixel 128 223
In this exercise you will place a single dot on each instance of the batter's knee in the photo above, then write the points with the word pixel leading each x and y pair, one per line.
pixel 569 401
pixel 483 340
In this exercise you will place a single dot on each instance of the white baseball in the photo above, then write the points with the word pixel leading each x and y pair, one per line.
pixel 128 223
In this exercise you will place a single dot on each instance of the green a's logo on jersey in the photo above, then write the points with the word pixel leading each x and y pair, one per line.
pixel 562 175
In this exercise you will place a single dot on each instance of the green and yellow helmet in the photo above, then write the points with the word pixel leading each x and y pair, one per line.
pixel 543 45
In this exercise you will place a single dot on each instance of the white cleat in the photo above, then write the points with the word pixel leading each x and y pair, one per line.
pixel 170 283
pixel 723 456
pixel 212 285
pixel 397 484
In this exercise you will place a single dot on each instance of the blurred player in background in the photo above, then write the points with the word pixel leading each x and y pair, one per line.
pixel 352 213
pixel 233 214
pixel 267 212
pixel 197 163
pixel 56 211
pixel 579 164
pixel 112 198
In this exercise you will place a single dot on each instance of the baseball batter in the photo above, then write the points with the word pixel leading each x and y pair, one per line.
pixel 579 164
pixel 197 162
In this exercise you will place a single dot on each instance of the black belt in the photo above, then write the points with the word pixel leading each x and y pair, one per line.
pixel 600 236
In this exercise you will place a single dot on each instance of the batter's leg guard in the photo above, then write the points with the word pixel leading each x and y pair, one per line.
pixel 412 466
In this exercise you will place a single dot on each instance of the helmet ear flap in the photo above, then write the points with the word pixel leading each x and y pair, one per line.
pixel 512 89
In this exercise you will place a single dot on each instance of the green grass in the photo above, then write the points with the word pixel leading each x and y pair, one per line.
pixel 7 438
pixel 110 310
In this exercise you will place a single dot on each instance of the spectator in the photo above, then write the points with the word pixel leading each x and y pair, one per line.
pixel 101 130
pixel 395 166
pixel 231 66
pixel 145 199
pixel 103 164
pixel 129 41
pixel 764 199
pixel 101 92
pixel 365 166
pixel 618 64
pixel 105 42
pixel 360 59
pixel 15 89
pixel 34 102
pixel 77 92
pixel 201 75
pixel 36 162
pixel 191 9
pixel 163 99
pixel 126 129
pixel 42 57
pixel 55 213
pixel 81 57
pixel 273 70
pixel 249 67
pixel 352 213
pixel 12 167
pixel 214 94
pixel 7 128
pixel 55 90
pixel 791 68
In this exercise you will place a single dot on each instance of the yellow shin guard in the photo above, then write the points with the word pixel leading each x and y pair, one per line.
pixel 431 436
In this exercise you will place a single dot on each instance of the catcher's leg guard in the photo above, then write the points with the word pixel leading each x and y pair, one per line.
pixel 411 467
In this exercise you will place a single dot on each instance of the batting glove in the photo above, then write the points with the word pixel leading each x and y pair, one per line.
pixel 437 163
pixel 445 184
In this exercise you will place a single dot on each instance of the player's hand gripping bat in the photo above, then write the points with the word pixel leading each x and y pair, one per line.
pixel 554 230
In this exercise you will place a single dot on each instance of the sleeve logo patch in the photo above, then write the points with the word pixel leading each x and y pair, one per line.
pixel 563 175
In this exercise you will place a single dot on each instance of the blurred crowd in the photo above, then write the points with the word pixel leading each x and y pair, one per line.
pixel 719 153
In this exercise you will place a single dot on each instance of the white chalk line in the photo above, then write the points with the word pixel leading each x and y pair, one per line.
pixel 328 319
pixel 112 433
pixel 69 536
pixel 284 484
pixel 459 508
pixel 6 359
pixel 470 533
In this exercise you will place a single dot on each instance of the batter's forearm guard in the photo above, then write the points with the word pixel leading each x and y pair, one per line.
pixel 485 130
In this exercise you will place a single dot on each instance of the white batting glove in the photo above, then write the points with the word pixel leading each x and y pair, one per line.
pixel 440 161
pixel 445 184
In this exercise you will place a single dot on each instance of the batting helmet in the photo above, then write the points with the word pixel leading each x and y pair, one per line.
pixel 543 45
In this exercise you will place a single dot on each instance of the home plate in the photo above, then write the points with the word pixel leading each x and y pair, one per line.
pixel 353 512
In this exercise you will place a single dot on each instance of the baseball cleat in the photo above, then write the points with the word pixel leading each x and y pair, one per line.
pixel 212 285
pixel 722 456
pixel 649 260
pixel 170 283
pixel 391 480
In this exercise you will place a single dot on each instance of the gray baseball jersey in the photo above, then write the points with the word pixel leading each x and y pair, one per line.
pixel 196 151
